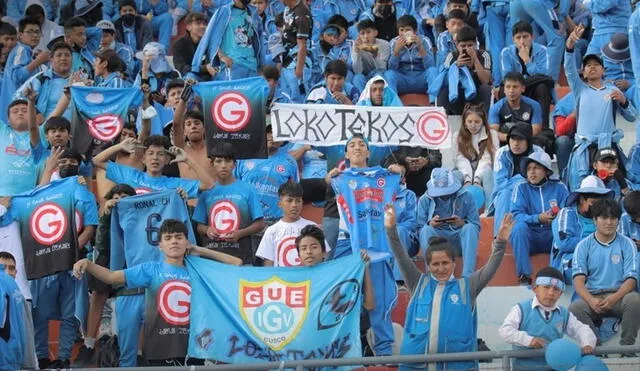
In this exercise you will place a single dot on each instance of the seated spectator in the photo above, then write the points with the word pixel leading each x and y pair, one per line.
pixel 596 120
pixel 185 47
pixel 331 46
pixel 378 93
pixel 334 89
pixel 132 29
pixel 516 108
pixel 446 43
pixel 535 204
pixel 530 59
pixel 609 18
pixel 564 123
pixel 275 95
pixel 206 7
pixel 383 14
pixel 574 223
pixel 606 166
pixel 448 210
pixel 126 54
pixel 160 19
pixel 475 148
pixel 50 30
pixel 534 323
pixel 465 75
pixel 617 62
pixel 369 55
pixel 630 221
pixel 49 84
pixel 228 232
pixel 164 106
pixel 506 168
pixel 411 60
pixel 605 274
pixel 107 69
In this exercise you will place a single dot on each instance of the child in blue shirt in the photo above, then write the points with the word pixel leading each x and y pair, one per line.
pixel 536 322
pixel 166 324
pixel 534 205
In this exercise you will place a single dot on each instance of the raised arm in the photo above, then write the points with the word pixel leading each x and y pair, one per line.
pixel 103 274
pixel 214 255
pixel 206 182
pixel 34 129
pixel 128 145
pixel 409 270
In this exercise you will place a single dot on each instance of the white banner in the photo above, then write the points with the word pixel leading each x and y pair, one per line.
pixel 332 124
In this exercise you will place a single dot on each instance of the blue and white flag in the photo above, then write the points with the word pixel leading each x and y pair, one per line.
pixel 258 314
pixel 99 115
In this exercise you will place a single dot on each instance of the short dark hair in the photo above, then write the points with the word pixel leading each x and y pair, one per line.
pixel 194 114
pixel 550 272
pixel 60 45
pixel 291 189
pixel 194 17
pixel 606 208
pixel 366 24
pixel 7 29
pixel 223 150
pixel 119 189
pixel 407 21
pixel 57 122
pixel 401 160
pixel 312 231
pixel 175 83
pixel 514 76
pixel 72 23
pixel 7 255
pixel 34 10
pixel 521 26
pixel 437 244
pixel 457 14
pixel 466 33
pixel 27 21
pixel 336 67
pixel 130 126
pixel 631 204
pixel 114 63
pixel 130 3
pixel 71 153
pixel 271 72
pixel 15 103
pixel 157 140
pixel 173 226
pixel 279 19
pixel 339 20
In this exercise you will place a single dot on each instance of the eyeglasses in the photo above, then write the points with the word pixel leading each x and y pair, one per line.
pixel 32 32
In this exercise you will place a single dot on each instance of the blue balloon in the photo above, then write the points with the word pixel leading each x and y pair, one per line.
pixel 562 354
pixel 478 195
pixel 591 363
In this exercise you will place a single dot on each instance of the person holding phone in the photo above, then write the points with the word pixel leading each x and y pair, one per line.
pixel 448 210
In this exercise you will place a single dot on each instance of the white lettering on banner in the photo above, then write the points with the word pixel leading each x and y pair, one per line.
pixel 332 124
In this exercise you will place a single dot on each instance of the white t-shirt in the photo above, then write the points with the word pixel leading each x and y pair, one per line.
pixel 278 243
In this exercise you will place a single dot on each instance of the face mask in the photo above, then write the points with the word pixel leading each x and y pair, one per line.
pixel 128 20
pixel 603 174
pixel 66 171
pixel 384 11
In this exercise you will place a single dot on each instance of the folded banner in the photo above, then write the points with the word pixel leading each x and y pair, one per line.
pixel 47 218
pixel 135 226
pixel 99 115
pixel 285 313
pixel 332 124
pixel 234 112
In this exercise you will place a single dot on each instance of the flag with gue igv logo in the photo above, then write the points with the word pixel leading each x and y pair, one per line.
pixel 260 314
pixel 99 115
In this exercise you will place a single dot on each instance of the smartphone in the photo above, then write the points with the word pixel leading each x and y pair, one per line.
pixel 447 220
pixel 464 53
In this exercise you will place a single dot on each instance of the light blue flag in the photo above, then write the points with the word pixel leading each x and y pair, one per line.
pixel 258 314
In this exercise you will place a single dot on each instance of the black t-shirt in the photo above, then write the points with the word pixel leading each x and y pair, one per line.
pixel 297 25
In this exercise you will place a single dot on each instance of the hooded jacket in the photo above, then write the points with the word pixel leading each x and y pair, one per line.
pixel 461 203
pixel 538 64
pixel 50 30
pixel 528 201
pixel 389 97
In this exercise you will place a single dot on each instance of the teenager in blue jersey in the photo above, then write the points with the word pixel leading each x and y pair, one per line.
pixel 535 203
pixel 609 18
pixel 384 284
pixel 229 213
pixel 49 85
pixel 161 348
pixel 545 16
pixel 630 221
pixel 534 323
pixel 411 62
pixel 441 316
pixel 157 156
pixel 21 62
pixel 506 168
pixel 448 210
pixel 605 274
pixel 574 222
pixel 597 103
pixel 12 324
pixel 267 175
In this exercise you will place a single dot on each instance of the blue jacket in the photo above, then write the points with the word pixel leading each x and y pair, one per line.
pixel 406 209
pixel 409 59
pixel 634 41
pixel 320 60
pixel 127 55
pixel 565 106
pixel 461 203
pixel 568 228
pixel 212 38
pixel 609 15
pixel 42 84
pixel 528 201
pixel 145 7
pixel 628 227
pixel 15 74
pixel 12 310
pixel 633 165
pixel 454 321
pixel 445 44
pixel 614 70
pixel 15 9
pixel 504 177
pixel 538 64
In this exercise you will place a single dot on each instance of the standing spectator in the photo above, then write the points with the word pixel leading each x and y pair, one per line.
pixel 107 69
pixel 296 38
pixel 160 18
pixel 383 14
pixel 156 70
pixel 75 35
pixel 605 274
pixel 132 29
pixel 606 166
pixel 475 150
pixel 108 41
pixel 185 47
pixel 609 18
pixel 494 16
pixel 617 62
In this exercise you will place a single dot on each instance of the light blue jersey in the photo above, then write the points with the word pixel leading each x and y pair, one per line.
pixel 17 163
pixel 145 183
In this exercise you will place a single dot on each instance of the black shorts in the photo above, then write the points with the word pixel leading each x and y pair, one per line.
pixel 94 283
